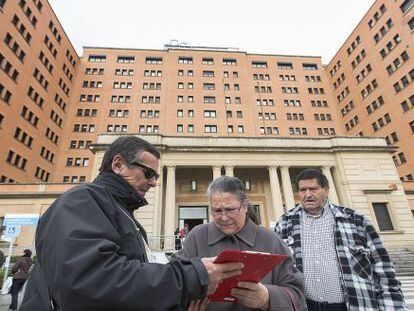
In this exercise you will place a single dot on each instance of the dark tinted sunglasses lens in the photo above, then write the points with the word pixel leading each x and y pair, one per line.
pixel 150 173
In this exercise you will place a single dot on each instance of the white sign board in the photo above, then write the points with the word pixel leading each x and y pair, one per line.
pixel 12 231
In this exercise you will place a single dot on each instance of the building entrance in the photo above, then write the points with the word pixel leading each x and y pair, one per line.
pixel 192 215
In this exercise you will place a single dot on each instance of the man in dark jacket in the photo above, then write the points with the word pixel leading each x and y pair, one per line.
pixel 92 253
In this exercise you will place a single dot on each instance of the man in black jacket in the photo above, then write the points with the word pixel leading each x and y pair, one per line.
pixel 92 253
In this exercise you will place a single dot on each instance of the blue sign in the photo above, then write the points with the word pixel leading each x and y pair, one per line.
pixel 20 220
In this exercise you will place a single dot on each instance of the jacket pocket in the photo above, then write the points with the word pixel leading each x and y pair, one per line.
pixel 360 261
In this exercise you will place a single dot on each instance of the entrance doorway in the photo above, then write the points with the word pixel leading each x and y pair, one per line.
pixel 192 215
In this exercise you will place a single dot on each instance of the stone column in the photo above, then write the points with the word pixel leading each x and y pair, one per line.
pixel 216 172
pixel 275 190
pixel 229 170
pixel 170 216
pixel 158 208
pixel 287 188
pixel 333 196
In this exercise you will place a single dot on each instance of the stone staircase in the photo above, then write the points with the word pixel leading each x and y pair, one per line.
pixel 403 260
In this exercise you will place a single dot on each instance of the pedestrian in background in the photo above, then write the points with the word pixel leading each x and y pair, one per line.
pixel 20 271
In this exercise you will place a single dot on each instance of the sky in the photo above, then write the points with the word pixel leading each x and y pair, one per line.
pixel 282 27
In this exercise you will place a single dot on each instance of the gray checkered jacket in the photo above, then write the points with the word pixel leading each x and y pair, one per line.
pixel 368 275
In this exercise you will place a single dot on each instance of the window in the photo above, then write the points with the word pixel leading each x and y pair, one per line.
pixel 208 61
pixel 126 59
pixel 310 66
pixel 406 5
pixel 240 129
pixel 210 128
pixel 411 24
pixel 382 215
pixel 97 58
pixel 179 128
pixel 259 64
pixel 284 65
pixel 209 113
pixel 209 99
pixel 229 62
pixel 185 60
pixel 190 128
pixel 208 73
pixel 153 60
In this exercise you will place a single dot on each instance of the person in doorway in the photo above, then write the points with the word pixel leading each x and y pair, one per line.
pixel 232 228
pixel 345 264
pixel 177 240
pixel 93 253
pixel 20 271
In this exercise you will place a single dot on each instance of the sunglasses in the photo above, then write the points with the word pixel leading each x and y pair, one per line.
pixel 148 172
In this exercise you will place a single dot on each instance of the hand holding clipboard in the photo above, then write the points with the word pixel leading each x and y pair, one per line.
pixel 256 266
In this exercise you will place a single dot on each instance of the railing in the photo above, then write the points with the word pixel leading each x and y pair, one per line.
pixel 165 243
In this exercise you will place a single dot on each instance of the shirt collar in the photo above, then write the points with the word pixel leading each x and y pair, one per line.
pixel 247 234
pixel 322 212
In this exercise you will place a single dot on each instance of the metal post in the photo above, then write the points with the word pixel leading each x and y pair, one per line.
pixel 6 265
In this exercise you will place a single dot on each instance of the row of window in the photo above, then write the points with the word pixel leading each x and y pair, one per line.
pixel 352 123
pixel 408 104
pixel 369 89
pixel 15 47
pixel 35 97
pixel 28 12
pixel 376 104
pixel 381 122
pixel 16 160
pixel 52 136
pixel 74 179
pixel 397 63
pixel 21 29
pixel 8 68
pixel 77 161
pixel 399 159
pixel 5 94
pixel 23 137
pixel 67 71
pixel 339 81
pixel 205 61
pixel 50 46
pixel 363 73
pixel 405 81
pixel 377 15
pixel 47 154
pixel 358 59
pixel 80 144
pixel 383 30
pixel 347 108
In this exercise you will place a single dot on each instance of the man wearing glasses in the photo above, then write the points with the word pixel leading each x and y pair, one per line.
pixel 93 254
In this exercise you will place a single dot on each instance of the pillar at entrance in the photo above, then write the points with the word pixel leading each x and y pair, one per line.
pixel 229 170
pixel 277 203
pixel 170 209
pixel 333 195
pixel 216 172
pixel 287 188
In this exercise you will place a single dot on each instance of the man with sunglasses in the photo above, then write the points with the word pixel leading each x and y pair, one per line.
pixel 93 254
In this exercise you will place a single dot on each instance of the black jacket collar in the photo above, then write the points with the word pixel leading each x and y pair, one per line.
pixel 121 189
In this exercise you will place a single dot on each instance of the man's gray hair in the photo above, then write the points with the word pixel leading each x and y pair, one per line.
pixel 228 184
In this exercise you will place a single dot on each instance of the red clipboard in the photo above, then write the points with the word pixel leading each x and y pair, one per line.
pixel 256 266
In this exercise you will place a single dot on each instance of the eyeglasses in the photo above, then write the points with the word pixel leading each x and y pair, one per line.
pixel 148 172
pixel 225 211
